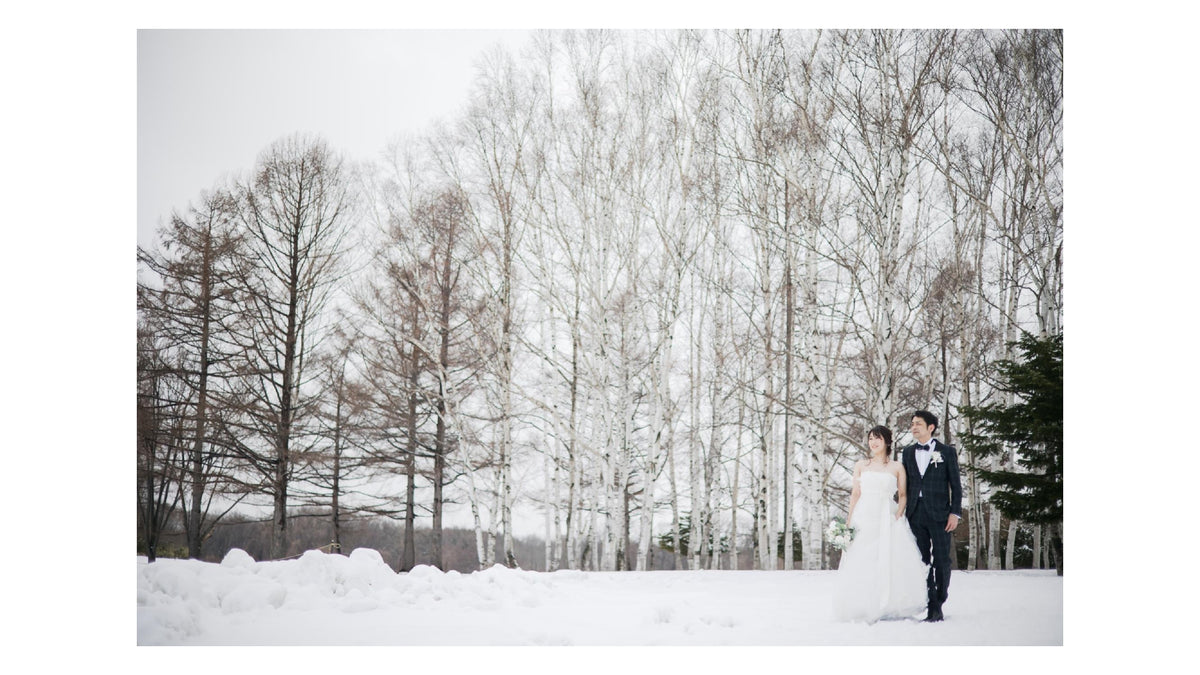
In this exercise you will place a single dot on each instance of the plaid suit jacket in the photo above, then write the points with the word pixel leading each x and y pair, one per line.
pixel 941 484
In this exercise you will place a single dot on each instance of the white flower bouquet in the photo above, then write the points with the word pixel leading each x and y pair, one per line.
pixel 839 534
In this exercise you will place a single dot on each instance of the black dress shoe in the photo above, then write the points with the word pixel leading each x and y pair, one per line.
pixel 935 614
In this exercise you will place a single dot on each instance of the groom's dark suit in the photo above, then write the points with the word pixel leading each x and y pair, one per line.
pixel 931 500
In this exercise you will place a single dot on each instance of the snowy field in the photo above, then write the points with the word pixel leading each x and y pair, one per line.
pixel 322 599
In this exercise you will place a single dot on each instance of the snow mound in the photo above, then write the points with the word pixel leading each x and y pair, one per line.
pixel 237 558
pixel 332 599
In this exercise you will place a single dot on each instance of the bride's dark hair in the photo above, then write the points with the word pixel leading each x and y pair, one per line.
pixel 885 434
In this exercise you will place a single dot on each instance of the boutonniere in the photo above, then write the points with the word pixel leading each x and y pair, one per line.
pixel 935 458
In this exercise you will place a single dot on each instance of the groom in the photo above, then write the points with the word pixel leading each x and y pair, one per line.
pixel 934 503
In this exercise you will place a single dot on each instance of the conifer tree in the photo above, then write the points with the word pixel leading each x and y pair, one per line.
pixel 1032 490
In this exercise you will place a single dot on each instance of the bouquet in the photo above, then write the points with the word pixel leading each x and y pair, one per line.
pixel 839 534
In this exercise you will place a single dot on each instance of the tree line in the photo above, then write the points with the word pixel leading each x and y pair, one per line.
pixel 648 286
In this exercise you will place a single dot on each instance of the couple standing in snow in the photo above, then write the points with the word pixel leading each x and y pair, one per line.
pixel 899 560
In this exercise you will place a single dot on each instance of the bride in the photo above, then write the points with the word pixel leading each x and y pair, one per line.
pixel 881 575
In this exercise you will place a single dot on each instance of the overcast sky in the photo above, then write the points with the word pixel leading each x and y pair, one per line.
pixel 208 101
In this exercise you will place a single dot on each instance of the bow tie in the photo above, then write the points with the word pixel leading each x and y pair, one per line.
pixel 919 448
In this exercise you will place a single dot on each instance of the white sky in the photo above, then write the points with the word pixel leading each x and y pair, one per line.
pixel 208 101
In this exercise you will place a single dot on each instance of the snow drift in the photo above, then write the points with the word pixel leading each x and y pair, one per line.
pixel 323 599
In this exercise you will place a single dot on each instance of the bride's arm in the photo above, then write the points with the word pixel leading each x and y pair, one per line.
pixel 854 491
pixel 901 491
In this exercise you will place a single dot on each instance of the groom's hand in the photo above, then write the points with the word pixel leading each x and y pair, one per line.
pixel 952 523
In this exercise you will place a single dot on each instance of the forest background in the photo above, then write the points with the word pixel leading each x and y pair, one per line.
pixel 650 288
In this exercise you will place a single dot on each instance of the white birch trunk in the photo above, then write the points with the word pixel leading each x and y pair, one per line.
pixel 714 459
pixel 763 532
pixel 549 511
pixel 974 514
pixel 506 497
pixel 822 515
pixel 574 493
pixel 775 528
pixel 971 497
pixel 623 468
pixel 815 405
pixel 812 478
pixel 554 535
pixel 473 496
pixel 735 490
pixel 489 544
pixel 594 536
pixel 788 402
pixel 606 536
pixel 675 523
pixel 767 546
pixel 697 536
pixel 1012 296
pixel 660 397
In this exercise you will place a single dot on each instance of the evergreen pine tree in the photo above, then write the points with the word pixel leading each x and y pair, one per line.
pixel 1032 491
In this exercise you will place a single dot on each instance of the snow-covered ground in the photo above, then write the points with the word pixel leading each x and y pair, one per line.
pixel 322 599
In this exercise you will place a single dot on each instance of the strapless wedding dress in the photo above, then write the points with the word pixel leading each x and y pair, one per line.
pixel 881 575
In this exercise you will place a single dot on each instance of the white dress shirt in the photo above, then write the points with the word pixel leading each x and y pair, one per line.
pixel 923 455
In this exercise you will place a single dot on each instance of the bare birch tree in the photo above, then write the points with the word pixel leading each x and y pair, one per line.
pixel 498 129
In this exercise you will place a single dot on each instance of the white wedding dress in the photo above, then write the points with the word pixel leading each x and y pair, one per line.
pixel 881 575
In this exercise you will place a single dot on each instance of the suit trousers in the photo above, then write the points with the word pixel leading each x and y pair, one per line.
pixel 934 543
